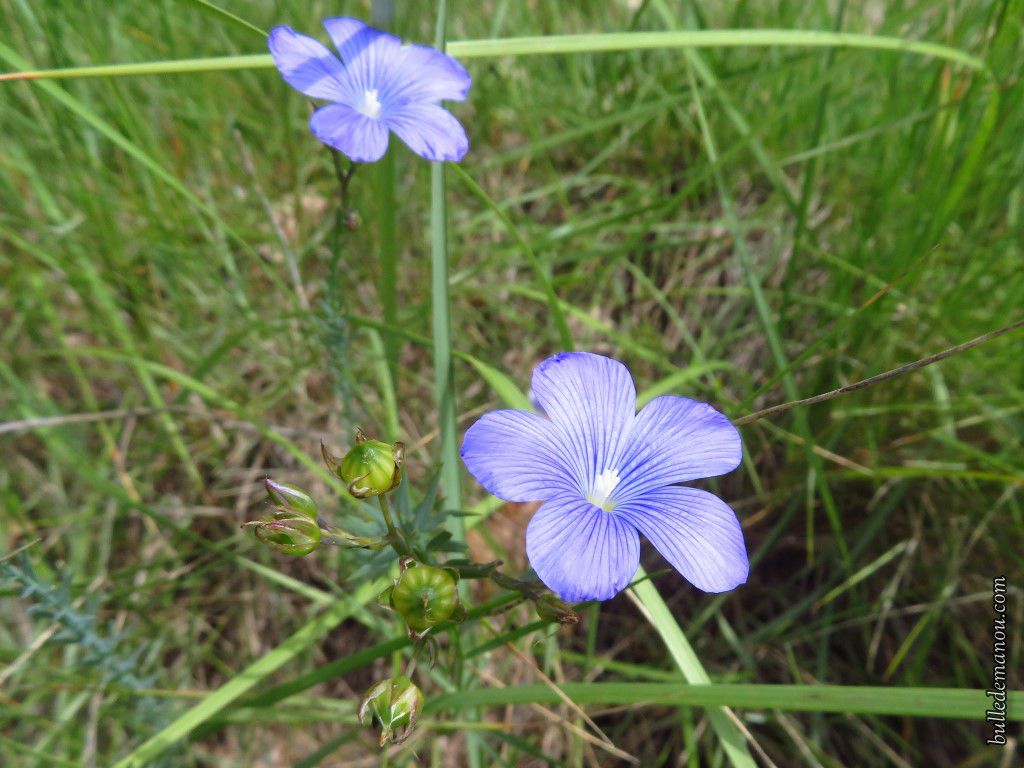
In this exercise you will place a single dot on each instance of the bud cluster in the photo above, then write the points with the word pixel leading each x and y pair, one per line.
pixel 425 596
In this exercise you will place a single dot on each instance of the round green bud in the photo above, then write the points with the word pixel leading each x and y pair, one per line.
pixel 371 468
pixel 425 596
pixel 295 536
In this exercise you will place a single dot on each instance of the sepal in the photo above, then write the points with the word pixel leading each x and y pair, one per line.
pixel 395 704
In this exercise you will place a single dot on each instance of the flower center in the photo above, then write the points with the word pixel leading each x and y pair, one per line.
pixel 371 104
pixel 604 484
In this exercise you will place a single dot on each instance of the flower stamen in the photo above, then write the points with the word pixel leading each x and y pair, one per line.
pixel 371 104
pixel 604 484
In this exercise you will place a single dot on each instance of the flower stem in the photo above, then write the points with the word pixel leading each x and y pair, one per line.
pixel 395 537
pixel 444 386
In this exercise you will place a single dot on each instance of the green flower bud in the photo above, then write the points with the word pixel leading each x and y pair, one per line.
pixel 425 596
pixel 550 608
pixel 296 536
pixel 395 703
pixel 291 500
pixel 371 468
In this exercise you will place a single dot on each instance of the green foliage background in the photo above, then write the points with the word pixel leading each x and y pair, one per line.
pixel 745 225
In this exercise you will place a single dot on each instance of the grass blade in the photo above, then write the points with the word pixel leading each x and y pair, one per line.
pixel 216 10
pixel 538 269
pixel 246 679
pixel 116 138
pixel 444 385
pixel 951 703
pixel 659 616
pixel 564 44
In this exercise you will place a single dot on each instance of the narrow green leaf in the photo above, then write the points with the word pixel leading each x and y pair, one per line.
pixel 554 307
pixel 116 138
pixel 953 703
pixel 686 660
pixel 444 384
pixel 502 385
pixel 674 381
pixel 216 10
pixel 863 573
pixel 247 678
pixel 563 44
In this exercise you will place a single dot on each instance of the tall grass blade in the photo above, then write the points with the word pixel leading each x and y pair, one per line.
pixel 659 616
pixel 563 44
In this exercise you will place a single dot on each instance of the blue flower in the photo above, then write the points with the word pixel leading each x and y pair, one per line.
pixel 382 86
pixel 607 474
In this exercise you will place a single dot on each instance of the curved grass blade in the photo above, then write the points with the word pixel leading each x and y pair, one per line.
pixel 538 269
pixel 144 754
pixel 129 147
pixel 502 385
pixel 660 617
pixel 562 44
pixel 216 10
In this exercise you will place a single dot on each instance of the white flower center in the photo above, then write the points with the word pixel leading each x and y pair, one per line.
pixel 371 104
pixel 604 484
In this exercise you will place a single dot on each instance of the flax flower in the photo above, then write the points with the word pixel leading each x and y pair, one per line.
pixel 608 474
pixel 379 85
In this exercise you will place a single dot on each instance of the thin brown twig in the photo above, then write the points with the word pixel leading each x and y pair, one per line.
pixel 892 283
pixel 566 699
pixel 916 365
pixel 559 720
pixel 43 422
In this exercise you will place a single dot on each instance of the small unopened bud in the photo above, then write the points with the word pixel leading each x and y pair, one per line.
pixel 291 499
pixel 371 468
pixel 394 703
pixel 425 595
pixel 550 608
pixel 296 536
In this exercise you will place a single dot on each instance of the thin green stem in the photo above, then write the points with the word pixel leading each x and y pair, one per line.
pixel 444 386
pixel 382 16
pixel 387 226
pixel 563 44
pixel 954 703
pixel 863 383
pixel 395 537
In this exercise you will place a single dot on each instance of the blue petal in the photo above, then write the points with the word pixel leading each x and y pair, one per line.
pixel 306 65
pixel 696 532
pixel 581 552
pixel 402 73
pixel 359 137
pixel 369 53
pixel 593 402
pixel 422 73
pixel 515 456
pixel 674 440
pixel 430 131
